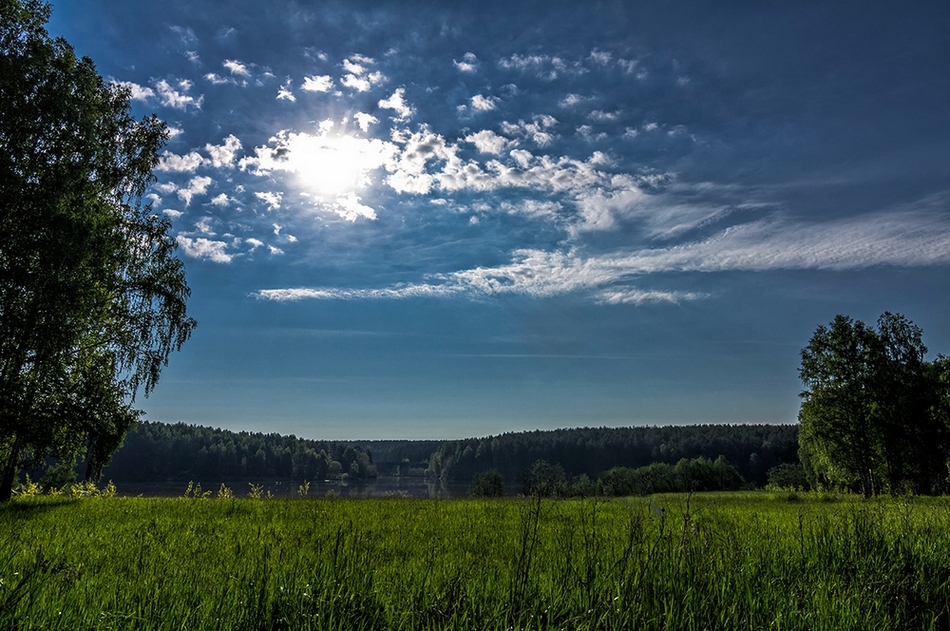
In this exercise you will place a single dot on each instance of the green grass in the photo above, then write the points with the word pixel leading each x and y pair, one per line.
pixel 724 561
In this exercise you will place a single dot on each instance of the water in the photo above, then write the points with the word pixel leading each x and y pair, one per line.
pixel 380 487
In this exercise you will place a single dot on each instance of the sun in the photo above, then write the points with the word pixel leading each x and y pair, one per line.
pixel 333 166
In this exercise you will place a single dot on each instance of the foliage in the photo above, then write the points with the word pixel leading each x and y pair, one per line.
pixel 750 449
pixel 693 475
pixel 488 484
pixel 747 561
pixel 872 416
pixel 179 452
pixel 92 298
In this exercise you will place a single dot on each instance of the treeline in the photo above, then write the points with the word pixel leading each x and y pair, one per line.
pixel 160 452
pixel 546 479
pixel 752 450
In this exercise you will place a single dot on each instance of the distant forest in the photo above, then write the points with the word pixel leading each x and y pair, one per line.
pixel 163 453
pixel 751 449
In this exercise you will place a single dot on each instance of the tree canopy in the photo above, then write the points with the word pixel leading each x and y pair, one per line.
pixel 92 296
pixel 874 410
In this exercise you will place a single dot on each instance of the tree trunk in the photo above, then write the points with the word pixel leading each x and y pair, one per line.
pixel 9 470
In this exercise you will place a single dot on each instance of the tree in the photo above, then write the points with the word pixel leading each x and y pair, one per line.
pixel 488 484
pixel 92 297
pixel 870 415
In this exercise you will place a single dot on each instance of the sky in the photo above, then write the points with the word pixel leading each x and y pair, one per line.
pixel 446 219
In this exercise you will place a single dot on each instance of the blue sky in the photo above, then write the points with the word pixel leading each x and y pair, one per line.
pixel 439 220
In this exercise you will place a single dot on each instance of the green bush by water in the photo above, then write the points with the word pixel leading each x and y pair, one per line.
pixel 740 561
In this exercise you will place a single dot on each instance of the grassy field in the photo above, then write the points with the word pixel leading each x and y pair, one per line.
pixel 739 561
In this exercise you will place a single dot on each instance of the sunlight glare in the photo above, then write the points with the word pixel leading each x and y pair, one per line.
pixel 332 166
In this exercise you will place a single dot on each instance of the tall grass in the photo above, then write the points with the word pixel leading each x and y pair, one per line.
pixel 703 562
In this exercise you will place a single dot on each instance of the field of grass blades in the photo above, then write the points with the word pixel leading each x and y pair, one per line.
pixel 724 561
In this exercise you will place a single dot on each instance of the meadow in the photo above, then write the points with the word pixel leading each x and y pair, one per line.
pixel 709 561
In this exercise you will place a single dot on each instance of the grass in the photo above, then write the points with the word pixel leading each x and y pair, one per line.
pixel 723 561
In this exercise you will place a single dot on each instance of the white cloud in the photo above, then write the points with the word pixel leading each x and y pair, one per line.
pixel 196 186
pixel 154 199
pixel 203 226
pixel 221 200
pixel 398 292
pixel 484 103
pixel 351 208
pixel 223 155
pixel 358 76
pixel 602 116
pixel 572 100
pixel 254 243
pixel 601 57
pixel 543 66
pixel 487 141
pixel 522 157
pixel 170 97
pixel 236 67
pixel 317 83
pixel 397 103
pixel 202 248
pixel 364 120
pixel 192 56
pixel 217 79
pixel 166 187
pixel 275 251
pixel 174 214
pixel 137 92
pixel 186 34
pixel 633 296
pixel 271 199
pixel 469 63
pixel 285 93
pixel 535 131
pixel 188 163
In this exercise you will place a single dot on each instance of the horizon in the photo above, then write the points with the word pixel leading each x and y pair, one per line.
pixel 437 221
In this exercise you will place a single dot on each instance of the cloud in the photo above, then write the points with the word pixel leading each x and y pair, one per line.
pixel 188 163
pixel 545 67
pixel 358 76
pixel 536 130
pixel 317 83
pixel 202 248
pixel 364 120
pixel 487 141
pixel 572 100
pixel 223 155
pixel 397 103
pixel 285 93
pixel 271 199
pixel 350 208
pixel 914 235
pixel 196 186
pixel 469 63
pixel 604 117
pixel 203 226
pixel 170 97
pixel 217 79
pixel 221 200
pixel 136 91
pixel 400 291
pixel 174 214
pixel 236 67
pixel 481 103
pixel 186 34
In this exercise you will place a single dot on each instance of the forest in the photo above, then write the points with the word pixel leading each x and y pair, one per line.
pixel 583 461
